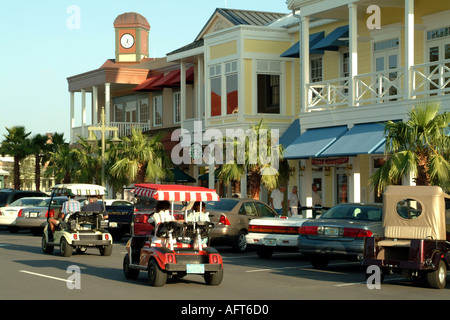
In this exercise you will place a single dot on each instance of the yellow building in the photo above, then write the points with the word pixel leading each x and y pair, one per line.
pixel 375 60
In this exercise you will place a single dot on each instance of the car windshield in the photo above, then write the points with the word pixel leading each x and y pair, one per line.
pixel 354 212
pixel 26 202
pixel 222 205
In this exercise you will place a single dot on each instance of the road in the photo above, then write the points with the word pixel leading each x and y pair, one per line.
pixel 27 273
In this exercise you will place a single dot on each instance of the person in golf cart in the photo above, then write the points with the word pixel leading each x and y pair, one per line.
pixel 68 207
pixel 198 213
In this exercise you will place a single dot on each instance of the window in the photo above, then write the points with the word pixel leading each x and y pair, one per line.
pixel 157 111
pixel 176 107
pixel 118 113
pixel 143 110
pixel 268 86
pixel 409 209
pixel 232 87
pixel 216 90
pixel 316 70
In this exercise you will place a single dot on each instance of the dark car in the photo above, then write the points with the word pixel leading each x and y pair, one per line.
pixel 231 218
pixel 8 196
pixel 340 232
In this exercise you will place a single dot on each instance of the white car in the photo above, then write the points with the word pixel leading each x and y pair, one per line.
pixel 274 234
pixel 8 214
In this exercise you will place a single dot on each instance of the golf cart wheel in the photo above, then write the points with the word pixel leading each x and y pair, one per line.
pixel 214 278
pixel 106 250
pixel 65 248
pixel 156 276
pixel 46 248
pixel 129 273
pixel 437 279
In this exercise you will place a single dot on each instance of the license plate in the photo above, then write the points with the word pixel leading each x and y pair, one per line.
pixel 113 224
pixel 329 231
pixel 195 268
pixel 270 242
pixel 33 214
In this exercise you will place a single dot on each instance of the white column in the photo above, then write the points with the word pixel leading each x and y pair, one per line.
pixel 107 102
pixel 304 64
pixel 409 46
pixel 200 88
pixel 307 187
pixel 353 52
pixel 182 92
pixel 356 194
pixel 83 112
pixel 72 115
pixel 94 105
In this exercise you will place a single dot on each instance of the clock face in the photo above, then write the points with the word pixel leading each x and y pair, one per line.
pixel 127 41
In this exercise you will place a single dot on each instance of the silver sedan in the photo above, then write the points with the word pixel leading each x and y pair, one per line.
pixel 339 233
pixel 35 218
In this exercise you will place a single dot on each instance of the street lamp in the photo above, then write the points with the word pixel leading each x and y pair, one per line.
pixel 102 127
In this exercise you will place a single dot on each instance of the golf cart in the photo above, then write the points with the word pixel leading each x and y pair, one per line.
pixel 78 230
pixel 415 242
pixel 175 246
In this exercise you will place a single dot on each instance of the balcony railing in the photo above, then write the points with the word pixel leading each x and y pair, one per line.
pixel 125 129
pixel 428 79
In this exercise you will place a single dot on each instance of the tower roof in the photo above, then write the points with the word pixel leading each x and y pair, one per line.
pixel 131 19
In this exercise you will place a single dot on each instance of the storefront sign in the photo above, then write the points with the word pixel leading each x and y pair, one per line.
pixel 329 161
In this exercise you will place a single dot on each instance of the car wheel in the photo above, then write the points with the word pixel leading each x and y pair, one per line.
pixel 319 262
pixel 263 252
pixel 65 248
pixel 438 278
pixel 106 250
pixel 156 276
pixel 129 273
pixel 44 245
pixel 240 243
pixel 214 278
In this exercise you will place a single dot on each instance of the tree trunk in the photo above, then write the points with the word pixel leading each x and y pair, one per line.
pixel 37 172
pixel 16 172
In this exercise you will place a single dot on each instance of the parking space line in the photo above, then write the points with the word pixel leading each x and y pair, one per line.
pixel 45 276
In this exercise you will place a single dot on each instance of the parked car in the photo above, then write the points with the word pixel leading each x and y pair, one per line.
pixel 7 196
pixel 35 218
pixel 8 214
pixel 231 218
pixel 268 235
pixel 120 215
pixel 340 232
pixel 415 244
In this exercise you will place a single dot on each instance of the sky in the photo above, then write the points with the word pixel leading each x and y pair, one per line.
pixel 42 44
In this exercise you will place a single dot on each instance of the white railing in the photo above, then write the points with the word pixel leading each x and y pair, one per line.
pixel 125 129
pixel 328 94
pixel 431 78
pixel 379 87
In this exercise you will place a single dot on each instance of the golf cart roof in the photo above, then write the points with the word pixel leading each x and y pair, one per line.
pixel 79 189
pixel 171 192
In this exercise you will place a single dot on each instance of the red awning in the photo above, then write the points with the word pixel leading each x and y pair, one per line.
pixel 172 192
pixel 149 84
pixel 189 77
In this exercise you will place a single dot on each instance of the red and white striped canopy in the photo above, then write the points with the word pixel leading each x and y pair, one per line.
pixel 171 192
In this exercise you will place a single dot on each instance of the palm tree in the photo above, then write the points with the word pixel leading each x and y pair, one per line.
pixel 17 145
pixel 40 148
pixel 255 164
pixel 63 164
pixel 140 158
pixel 419 146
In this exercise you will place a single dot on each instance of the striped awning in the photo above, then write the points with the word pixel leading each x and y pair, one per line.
pixel 79 189
pixel 172 192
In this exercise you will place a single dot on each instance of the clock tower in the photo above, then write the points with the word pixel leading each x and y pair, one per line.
pixel 132 31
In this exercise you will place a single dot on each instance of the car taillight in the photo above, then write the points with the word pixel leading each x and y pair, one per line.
pixel 224 220
pixel 20 213
pixel 309 230
pixel 357 233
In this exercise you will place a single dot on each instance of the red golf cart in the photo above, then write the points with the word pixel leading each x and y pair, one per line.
pixel 174 246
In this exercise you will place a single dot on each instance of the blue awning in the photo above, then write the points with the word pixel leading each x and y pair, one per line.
pixel 334 40
pixel 292 133
pixel 294 51
pixel 368 138
pixel 313 142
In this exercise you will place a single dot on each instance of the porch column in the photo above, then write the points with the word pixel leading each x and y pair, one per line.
pixel 304 63
pixel 72 115
pixel 409 47
pixel 356 194
pixel 94 105
pixel 200 89
pixel 182 92
pixel 353 53
pixel 107 102
pixel 83 112
pixel 306 182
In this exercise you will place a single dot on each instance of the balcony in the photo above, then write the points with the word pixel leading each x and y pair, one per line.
pixel 428 79
pixel 125 129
